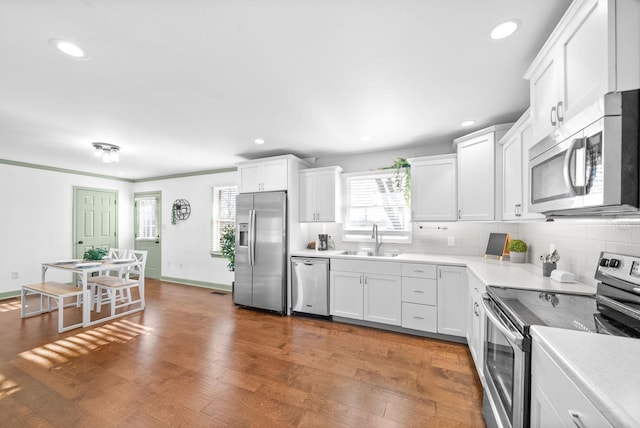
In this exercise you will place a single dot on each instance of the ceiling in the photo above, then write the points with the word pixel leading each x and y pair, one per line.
pixel 188 85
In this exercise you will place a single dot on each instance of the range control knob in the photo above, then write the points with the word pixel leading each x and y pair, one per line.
pixel 614 263
pixel 604 262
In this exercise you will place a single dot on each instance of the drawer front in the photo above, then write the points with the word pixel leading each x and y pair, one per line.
pixel 419 270
pixel 366 266
pixel 420 317
pixel 420 290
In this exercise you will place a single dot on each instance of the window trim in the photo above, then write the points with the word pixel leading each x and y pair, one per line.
pixel 359 235
pixel 214 219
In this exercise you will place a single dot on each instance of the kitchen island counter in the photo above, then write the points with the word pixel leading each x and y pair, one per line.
pixel 601 366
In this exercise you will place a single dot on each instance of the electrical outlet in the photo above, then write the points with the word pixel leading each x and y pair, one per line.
pixel 451 241
pixel 15 275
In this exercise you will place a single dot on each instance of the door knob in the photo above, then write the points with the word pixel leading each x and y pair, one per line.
pixel 80 242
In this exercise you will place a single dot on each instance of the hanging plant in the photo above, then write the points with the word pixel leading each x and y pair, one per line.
pixel 401 177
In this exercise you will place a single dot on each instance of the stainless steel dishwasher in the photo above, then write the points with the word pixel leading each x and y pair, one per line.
pixel 310 285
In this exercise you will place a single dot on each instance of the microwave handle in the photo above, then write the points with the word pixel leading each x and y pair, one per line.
pixel 573 189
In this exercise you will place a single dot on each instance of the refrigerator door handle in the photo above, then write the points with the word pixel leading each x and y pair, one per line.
pixel 252 237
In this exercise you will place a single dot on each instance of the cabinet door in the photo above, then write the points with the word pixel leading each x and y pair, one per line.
pixel 475 322
pixel 452 300
pixel 476 178
pixel 326 195
pixel 307 206
pixel 512 181
pixel 346 294
pixel 382 299
pixel 544 93
pixel 585 42
pixel 433 189
pixel 543 414
pixel 274 174
pixel 250 177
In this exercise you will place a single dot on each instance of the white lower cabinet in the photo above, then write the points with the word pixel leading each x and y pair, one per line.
pixel 452 300
pixel 475 322
pixel 347 293
pixel 366 290
pixel 555 400
pixel 419 297
pixel 382 299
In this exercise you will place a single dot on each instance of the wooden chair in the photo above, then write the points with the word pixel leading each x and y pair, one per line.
pixel 114 254
pixel 110 286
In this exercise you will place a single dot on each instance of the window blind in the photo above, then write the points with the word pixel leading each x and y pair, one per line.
pixel 376 198
pixel 146 218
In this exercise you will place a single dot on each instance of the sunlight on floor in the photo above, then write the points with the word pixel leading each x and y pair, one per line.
pixel 9 306
pixel 63 350
pixel 7 386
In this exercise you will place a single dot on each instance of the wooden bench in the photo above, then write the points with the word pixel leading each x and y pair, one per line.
pixel 51 290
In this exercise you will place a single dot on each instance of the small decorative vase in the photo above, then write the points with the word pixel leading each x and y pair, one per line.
pixel 547 268
pixel 517 257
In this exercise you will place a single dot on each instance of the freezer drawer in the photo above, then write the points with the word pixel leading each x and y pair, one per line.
pixel 310 285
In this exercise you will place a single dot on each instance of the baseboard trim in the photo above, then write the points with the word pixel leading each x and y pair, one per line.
pixel 203 284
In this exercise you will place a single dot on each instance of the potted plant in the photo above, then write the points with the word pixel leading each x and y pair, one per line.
pixel 229 246
pixel 517 251
pixel 95 254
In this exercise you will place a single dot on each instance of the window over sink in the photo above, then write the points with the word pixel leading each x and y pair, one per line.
pixel 376 197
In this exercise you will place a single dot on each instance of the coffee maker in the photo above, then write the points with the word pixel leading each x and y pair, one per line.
pixel 323 242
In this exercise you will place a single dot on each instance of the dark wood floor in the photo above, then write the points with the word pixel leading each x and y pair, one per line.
pixel 193 359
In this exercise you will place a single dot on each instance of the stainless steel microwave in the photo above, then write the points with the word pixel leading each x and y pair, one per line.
pixel 591 166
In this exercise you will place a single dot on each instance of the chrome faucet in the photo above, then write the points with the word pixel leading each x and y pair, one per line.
pixel 374 235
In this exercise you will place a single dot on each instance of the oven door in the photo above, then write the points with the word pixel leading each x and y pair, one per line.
pixel 505 364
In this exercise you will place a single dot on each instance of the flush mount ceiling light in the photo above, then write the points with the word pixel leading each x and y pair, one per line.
pixel 467 123
pixel 108 152
pixel 258 141
pixel 69 49
pixel 504 29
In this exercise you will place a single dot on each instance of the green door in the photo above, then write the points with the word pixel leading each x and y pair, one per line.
pixel 147 230
pixel 96 219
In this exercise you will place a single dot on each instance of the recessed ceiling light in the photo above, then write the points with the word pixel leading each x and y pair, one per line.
pixel 258 141
pixel 467 123
pixel 365 138
pixel 70 49
pixel 505 29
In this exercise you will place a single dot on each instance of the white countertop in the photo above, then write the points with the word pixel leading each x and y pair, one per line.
pixel 489 271
pixel 601 366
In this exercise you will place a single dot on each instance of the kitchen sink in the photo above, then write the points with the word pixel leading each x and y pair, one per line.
pixel 369 254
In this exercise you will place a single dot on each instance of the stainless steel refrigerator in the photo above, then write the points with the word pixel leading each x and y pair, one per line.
pixel 261 250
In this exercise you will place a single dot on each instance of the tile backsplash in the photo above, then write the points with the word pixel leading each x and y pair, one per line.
pixel 579 242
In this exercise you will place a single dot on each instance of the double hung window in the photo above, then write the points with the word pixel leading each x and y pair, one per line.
pixel 376 197
pixel 224 213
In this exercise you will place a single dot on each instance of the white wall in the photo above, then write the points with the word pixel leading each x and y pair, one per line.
pixel 36 220
pixel 185 245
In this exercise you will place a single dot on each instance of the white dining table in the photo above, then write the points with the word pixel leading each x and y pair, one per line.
pixel 84 269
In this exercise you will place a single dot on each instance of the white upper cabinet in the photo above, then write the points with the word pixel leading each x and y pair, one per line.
pixel 480 174
pixel 515 170
pixel 320 195
pixel 433 188
pixel 593 51
pixel 268 174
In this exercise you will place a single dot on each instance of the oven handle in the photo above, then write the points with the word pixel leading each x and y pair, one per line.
pixel 511 336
